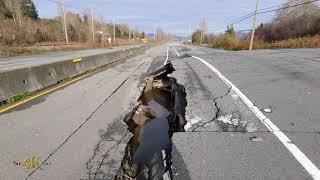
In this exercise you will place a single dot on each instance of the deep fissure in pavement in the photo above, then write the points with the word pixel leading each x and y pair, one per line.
pixel 160 113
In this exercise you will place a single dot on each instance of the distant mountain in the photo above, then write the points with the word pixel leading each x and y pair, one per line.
pixel 178 38
pixel 242 33
pixel 173 37
pixel 149 35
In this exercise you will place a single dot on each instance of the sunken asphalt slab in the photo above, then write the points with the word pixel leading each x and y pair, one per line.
pixel 77 131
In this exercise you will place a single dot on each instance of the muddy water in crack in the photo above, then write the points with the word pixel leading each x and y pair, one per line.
pixel 161 111
pixel 148 153
pixel 153 134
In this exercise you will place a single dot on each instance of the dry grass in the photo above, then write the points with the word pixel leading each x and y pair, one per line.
pixel 304 42
pixel 243 44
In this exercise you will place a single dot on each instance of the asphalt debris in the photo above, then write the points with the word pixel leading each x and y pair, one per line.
pixel 256 139
pixel 159 113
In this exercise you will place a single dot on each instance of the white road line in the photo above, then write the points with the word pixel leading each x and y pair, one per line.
pixel 166 61
pixel 295 151
pixel 176 51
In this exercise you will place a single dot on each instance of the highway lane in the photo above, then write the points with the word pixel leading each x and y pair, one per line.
pixel 18 62
pixel 285 81
pixel 78 131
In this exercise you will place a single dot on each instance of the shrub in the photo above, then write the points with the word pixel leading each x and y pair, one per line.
pixel 225 41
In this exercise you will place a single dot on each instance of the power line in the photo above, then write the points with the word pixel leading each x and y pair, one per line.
pixel 252 13
pixel 279 5
pixel 262 12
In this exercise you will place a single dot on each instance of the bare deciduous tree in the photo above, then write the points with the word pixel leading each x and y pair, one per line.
pixel 294 12
pixel 14 6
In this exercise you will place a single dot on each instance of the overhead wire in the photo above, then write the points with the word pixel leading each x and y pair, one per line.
pixel 253 13
pixel 262 11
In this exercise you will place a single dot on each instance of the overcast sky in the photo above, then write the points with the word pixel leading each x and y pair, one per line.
pixel 174 16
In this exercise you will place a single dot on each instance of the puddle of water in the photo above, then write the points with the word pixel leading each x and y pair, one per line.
pixel 153 138
pixel 152 133
pixel 148 153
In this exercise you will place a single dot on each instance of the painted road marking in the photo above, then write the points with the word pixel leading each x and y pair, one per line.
pixel 77 60
pixel 166 61
pixel 43 93
pixel 176 51
pixel 14 105
pixel 295 151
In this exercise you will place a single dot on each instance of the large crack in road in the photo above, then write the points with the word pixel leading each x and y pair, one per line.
pixel 159 113
pixel 217 114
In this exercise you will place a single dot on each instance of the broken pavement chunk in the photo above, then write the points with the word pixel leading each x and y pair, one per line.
pixel 256 139
pixel 159 113
pixel 266 110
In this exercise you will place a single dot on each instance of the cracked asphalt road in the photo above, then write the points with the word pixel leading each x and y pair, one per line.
pixel 78 132
pixel 217 143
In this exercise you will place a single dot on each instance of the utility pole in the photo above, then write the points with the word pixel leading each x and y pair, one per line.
pixel 114 30
pixel 102 25
pixel 92 26
pixel 189 31
pixel 201 35
pixel 65 22
pixel 254 26
pixel 133 33
pixel 202 28
pixel 102 30
pixel 129 33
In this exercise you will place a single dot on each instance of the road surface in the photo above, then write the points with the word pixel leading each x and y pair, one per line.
pixel 78 132
pixel 283 81
pixel 19 62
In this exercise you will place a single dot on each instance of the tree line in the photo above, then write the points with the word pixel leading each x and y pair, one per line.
pixel 21 25
pixel 290 25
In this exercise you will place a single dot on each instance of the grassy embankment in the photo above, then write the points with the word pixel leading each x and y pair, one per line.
pixel 234 44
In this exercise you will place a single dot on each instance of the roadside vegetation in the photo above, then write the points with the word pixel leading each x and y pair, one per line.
pixel 22 31
pixel 15 98
pixel 296 27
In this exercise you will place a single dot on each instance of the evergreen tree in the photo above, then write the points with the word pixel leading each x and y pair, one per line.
pixel 85 19
pixel 4 10
pixel 29 9
pixel 230 31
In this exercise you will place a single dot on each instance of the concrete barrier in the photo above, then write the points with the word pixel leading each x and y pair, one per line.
pixel 36 78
